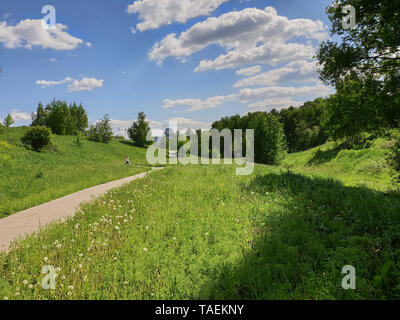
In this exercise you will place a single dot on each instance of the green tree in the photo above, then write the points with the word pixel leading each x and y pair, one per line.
pixel 9 121
pixel 58 117
pixel 102 131
pixel 79 118
pixel 39 118
pixel 269 138
pixel 351 112
pixel 139 130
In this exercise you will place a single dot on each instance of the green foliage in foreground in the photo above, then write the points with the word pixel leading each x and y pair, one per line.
pixel 37 138
pixel 29 178
pixel 202 232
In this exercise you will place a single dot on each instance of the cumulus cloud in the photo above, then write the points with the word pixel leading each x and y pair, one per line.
pixel 198 104
pixel 20 118
pixel 249 36
pixel 247 72
pixel 155 13
pixel 274 96
pixel 30 33
pixel 296 71
pixel 85 84
pixel 45 83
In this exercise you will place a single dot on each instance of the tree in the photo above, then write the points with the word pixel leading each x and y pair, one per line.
pixel 9 121
pixel 371 48
pixel 39 118
pixel 58 117
pixel 37 138
pixel 370 51
pixel 139 130
pixel 102 131
pixel 79 118
pixel 269 138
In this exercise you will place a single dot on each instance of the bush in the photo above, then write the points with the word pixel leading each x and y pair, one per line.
pixel 37 138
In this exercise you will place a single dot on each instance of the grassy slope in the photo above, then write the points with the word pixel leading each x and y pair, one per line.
pixel 203 232
pixel 364 167
pixel 28 178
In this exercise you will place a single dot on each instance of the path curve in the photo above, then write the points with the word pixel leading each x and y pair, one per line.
pixel 32 220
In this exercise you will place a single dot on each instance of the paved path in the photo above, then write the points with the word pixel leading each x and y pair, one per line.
pixel 32 220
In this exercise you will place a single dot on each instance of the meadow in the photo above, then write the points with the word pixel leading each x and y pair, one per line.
pixel 29 178
pixel 201 232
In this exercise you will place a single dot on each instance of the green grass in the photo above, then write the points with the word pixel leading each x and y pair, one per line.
pixel 364 167
pixel 201 232
pixel 28 178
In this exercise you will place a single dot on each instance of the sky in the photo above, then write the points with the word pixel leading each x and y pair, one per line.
pixel 192 61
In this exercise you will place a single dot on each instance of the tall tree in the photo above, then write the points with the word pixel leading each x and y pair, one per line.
pixel 139 130
pixel 39 118
pixel 58 117
pixel 9 121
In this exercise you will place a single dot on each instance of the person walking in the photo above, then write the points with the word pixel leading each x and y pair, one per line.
pixel 127 162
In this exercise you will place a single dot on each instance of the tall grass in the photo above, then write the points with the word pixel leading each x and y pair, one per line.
pixel 201 232
pixel 29 178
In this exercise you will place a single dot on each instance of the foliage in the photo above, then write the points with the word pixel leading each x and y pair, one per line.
pixel 37 138
pixel 101 131
pixel 370 49
pixel 8 121
pixel 269 138
pixel 139 130
pixel 61 118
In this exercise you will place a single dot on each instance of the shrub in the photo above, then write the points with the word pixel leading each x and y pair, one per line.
pixel 80 139
pixel 37 138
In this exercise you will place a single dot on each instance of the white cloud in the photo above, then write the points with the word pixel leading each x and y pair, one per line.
pixel 248 36
pixel 297 71
pixel 155 13
pixel 20 118
pixel 198 104
pixel 278 97
pixel 86 84
pixel 45 83
pixel 53 60
pixel 30 33
pixel 88 44
pixel 274 103
pixel 247 72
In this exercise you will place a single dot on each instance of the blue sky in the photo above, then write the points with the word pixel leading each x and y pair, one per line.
pixel 191 60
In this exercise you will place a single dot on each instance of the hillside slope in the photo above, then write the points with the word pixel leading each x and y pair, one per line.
pixel 201 232
pixel 29 178
pixel 364 167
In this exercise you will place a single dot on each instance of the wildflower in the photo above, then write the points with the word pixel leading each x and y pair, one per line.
pixel 70 288
pixel 145 250
pixel 45 259
pixel 30 286
pixel 58 269
pixel 59 246
pixel 25 282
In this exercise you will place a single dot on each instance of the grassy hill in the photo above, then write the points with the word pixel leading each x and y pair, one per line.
pixel 364 167
pixel 201 232
pixel 28 178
